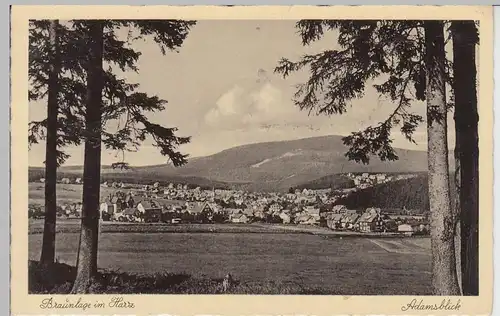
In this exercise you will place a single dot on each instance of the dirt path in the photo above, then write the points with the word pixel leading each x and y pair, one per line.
pixel 397 246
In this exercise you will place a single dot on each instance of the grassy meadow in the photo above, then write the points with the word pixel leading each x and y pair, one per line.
pixel 272 263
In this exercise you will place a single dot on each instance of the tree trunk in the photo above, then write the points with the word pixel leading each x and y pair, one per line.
pixel 87 252
pixel 444 277
pixel 464 35
pixel 456 209
pixel 49 229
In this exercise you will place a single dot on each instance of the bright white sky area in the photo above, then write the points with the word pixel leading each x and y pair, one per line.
pixel 222 91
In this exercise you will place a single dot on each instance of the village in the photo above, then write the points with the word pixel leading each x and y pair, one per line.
pixel 180 204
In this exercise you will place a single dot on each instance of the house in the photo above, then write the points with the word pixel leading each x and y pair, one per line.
pixel 333 221
pixel 312 220
pixel 42 180
pixel 413 227
pixel 147 206
pixel 171 205
pixel 302 218
pixel 118 203
pixel 239 218
pixel 76 208
pixel 63 209
pixel 65 181
pixel 311 210
pixel 129 200
pixel 285 218
pixel 371 220
pixel 127 215
pixel 197 208
pixel 176 220
pixel 215 207
pixel 406 229
pixel 275 208
pixel 68 209
pixel 337 209
pixel 349 219
pixel 106 207
pixel 248 212
pixel 259 214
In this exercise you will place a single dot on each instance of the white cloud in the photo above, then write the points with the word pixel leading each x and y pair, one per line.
pixel 227 106
pixel 250 105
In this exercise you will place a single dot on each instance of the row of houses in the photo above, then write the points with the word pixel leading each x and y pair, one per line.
pixel 366 179
pixel 65 180
pixel 124 207
pixel 373 220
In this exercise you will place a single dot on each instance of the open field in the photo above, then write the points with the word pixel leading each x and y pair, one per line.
pixel 342 266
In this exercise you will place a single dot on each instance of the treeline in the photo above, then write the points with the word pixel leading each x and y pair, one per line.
pixel 412 193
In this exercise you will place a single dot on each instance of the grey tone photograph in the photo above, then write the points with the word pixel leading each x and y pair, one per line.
pixel 309 157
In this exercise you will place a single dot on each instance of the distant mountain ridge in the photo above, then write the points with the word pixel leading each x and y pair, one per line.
pixel 275 165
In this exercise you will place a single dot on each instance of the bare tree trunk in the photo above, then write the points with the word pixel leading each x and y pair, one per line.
pixel 456 210
pixel 49 229
pixel 444 277
pixel 466 120
pixel 87 252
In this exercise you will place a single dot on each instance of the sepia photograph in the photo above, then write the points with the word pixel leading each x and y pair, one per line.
pixel 258 156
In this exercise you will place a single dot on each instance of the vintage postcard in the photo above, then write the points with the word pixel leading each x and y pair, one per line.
pixel 258 160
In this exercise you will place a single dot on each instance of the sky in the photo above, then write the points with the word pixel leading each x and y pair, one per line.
pixel 222 91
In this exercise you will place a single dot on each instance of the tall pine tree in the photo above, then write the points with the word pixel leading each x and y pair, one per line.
pixel 87 250
pixel 444 275
pixel 120 99
pixel 465 38
pixel 390 50
pixel 49 231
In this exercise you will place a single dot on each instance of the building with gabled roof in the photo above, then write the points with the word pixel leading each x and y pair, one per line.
pixel 239 218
